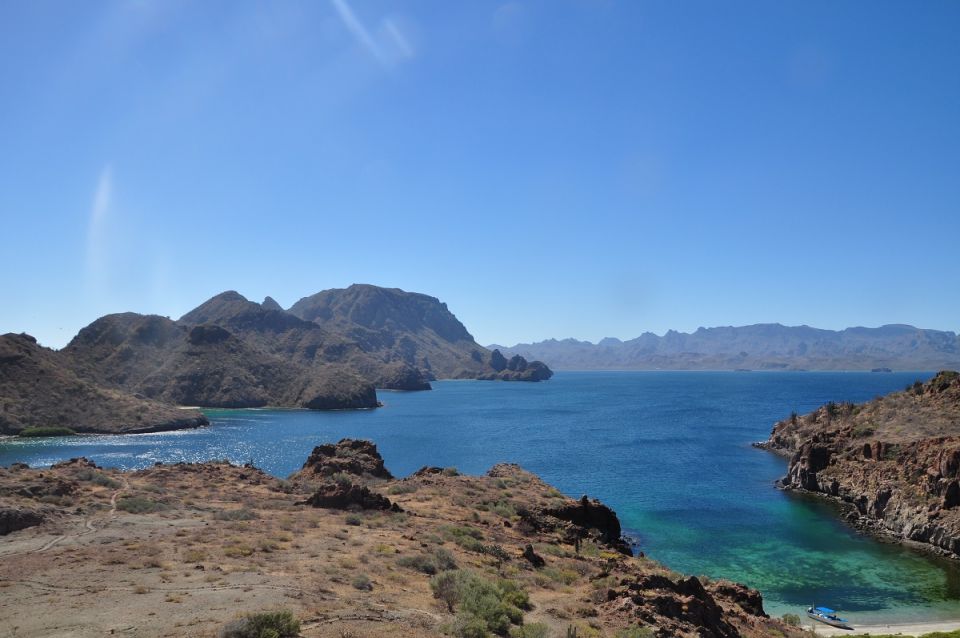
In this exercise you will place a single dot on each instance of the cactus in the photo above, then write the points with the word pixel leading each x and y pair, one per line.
pixel 571 632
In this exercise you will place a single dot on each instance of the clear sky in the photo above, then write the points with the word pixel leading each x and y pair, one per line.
pixel 549 169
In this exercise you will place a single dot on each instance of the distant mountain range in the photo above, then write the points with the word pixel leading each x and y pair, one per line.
pixel 125 371
pixel 756 347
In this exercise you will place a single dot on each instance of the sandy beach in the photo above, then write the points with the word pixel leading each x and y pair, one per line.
pixel 908 629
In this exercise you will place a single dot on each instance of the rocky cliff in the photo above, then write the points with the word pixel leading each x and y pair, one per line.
pixel 894 460
pixel 412 329
pixel 39 388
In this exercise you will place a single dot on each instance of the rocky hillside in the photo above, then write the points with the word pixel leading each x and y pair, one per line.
pixel 414 329
pixel 39 389
pixel 895 460
pixel 757 347
pixel 205 549
pixel 207 365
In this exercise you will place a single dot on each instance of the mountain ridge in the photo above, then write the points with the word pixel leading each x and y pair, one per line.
pixel 768 346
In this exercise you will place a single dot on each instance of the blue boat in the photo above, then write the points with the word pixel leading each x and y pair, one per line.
pixel 828 616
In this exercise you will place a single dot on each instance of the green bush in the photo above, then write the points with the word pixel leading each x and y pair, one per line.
pixel 635 632
pixel 353 519
pixel 139 505
pixel 96 477
pixel 451 471
pixel 362 582
pixel 46 430
pixel 791 619
pixel 420 562
pixel 271 624
pixel 476 597
pixel 533 630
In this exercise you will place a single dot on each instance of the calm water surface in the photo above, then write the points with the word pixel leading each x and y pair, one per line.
pixel 670 451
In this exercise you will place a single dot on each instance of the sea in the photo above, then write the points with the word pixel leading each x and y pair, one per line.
pixel 669 451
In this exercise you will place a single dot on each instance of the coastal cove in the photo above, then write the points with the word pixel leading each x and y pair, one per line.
pixel 669 451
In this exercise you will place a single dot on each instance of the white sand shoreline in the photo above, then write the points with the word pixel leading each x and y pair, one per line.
pixel 905 629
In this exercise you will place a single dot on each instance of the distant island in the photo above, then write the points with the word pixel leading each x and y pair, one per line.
pixel 125 372
pixel 756 347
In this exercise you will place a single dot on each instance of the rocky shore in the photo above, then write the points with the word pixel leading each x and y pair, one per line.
pixel 342 549
pixel 894 461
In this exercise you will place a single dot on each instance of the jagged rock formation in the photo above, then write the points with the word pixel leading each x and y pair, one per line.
pixel 756 347
pixel 341 497
pixel 412 328
pixel 895 460
pixel 349 456
pixel 39 388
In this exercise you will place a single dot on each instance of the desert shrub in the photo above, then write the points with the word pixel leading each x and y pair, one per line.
pixel 402 488
pixel 444 559
pixel 46 430
pixel 96 477
pixel 420 562
pixel 139 505
pixel 465 536
pixel 486 601
pixel 862 430
pixel 353 519
pixel 451 471
pixel 270 624
pixel 635 632
pixel 440 560
pixel 533 630
pixel 342 479
pixel 362 582
pixel 469 626
pixel 242 514
pixel 791 619
pixel 504 509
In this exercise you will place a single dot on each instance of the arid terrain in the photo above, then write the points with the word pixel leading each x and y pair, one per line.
pixel 894 460
pixel 183 550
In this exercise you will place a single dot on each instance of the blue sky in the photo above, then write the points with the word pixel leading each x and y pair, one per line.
pixel 549 169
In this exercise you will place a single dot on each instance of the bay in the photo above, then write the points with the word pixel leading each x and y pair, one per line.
pixel 670 451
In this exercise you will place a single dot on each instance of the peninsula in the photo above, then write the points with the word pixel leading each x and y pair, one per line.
pixel 894 461
pixel 340 549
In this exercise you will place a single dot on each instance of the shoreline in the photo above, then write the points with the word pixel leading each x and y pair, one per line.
pixel 906 629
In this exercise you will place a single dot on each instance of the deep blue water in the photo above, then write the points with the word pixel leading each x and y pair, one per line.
pixel 670 451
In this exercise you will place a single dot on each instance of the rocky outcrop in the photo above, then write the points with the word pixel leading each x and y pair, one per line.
pixel 895 461
pixel 13 518
pixel 514 369
pixel 349 456
pixel 341 496
pixel 575 520
pixel 39 387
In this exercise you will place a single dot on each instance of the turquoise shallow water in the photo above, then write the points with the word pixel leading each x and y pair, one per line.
pixel 670 451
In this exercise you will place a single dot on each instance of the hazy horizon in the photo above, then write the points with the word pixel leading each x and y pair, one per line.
pixel 549 170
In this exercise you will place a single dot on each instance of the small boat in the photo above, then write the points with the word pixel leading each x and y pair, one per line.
pixel 828 616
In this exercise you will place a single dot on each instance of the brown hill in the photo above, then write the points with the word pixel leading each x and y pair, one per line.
pixel 206 365
pixel 190 549
pixel 304 343
pixel 895 460
pixel 39 388
pixel 412 328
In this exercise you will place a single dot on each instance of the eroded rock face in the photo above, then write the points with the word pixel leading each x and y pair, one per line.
pixel 342 497
pixel 13 519
pixel 672 606
pixel 586 518
pixel 895 461
pixel 349 456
